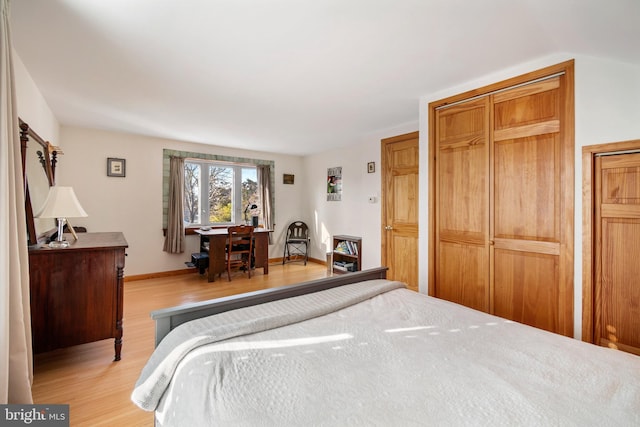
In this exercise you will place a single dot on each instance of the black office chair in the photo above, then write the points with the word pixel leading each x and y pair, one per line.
pixel 297 243
pixel 239 248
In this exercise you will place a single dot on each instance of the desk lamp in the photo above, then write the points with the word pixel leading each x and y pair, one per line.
pixel 61 203
pixel 249 206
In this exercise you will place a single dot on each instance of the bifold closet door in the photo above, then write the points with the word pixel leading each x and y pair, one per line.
pixel 530 283
pixel 462 204
pixel 503 228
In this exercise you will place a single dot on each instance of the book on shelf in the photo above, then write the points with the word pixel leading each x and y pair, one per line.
pixel 342 247
pixel 347 247
pixel 344 266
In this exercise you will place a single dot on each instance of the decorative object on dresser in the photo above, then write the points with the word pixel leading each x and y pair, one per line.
pixel 77 292
pixel 347 254
pixel 61 203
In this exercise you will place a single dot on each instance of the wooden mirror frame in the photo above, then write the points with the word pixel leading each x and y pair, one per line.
pixel 48 160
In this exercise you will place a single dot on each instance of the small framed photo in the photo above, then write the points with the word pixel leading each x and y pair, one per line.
pixel 371 167
pixel 288 178
pixel 116 167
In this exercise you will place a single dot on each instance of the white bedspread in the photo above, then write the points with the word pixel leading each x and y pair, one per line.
pixel 393 358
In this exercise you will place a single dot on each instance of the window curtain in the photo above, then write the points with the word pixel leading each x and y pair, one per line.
pixel 16 364
pixel 174 239
pixel 264 182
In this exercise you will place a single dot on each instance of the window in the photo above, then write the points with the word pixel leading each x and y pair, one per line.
pixel 218 193
pixel 249 171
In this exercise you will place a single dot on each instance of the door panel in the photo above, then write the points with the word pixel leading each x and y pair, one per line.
pixel 528 285
pixel 617 296
pixel 536 103
pixel 526 288
pixel 405 190
pixel 460 262
pixel 405 257
pixel 463 192
pixel 462 208
pixel 400 173
pixel 527 188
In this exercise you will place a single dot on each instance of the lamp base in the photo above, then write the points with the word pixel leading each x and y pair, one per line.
pixel 58 244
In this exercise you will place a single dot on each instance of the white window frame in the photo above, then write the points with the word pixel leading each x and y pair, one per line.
pixel 236 193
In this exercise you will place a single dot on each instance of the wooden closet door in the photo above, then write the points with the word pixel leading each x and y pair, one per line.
pixel 501 200
pixel 462 204
pixel 617 296
pixel 529 248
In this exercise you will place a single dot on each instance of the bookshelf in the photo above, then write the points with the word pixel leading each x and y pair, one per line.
pixel 347 254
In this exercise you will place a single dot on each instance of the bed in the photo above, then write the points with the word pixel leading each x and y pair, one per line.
pixel 357 349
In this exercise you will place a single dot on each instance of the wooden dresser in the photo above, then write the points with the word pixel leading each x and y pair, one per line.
pixel 77 292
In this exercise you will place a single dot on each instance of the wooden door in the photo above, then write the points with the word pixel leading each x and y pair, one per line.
pixel 400 169
pixel 462 204
pixel 532 274
pixel 501 199
pixel 617 250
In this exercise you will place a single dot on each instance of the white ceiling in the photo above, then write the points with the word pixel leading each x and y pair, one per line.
pixel 290 76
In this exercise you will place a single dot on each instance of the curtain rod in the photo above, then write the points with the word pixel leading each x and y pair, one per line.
pixel 613 153
pixel 551 76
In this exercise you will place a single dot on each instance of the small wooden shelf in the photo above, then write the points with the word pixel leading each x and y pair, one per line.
pixel 347 254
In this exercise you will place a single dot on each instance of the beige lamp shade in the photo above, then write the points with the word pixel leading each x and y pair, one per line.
pixel 61 202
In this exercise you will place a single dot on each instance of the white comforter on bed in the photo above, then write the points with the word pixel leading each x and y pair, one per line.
pixel 375 354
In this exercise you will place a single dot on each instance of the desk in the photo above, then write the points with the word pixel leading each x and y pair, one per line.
pixel 217 238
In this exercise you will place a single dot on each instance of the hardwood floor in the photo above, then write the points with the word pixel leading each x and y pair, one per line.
pixel 96 388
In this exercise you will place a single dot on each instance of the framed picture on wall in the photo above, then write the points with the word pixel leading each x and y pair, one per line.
pixel 116 167
pixel 334 184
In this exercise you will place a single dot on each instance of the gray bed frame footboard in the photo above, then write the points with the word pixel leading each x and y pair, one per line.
pixel 168 318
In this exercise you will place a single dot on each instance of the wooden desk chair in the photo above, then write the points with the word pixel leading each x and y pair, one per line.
pixel 239 248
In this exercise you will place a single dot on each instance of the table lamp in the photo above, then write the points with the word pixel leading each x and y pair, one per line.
pixel 61 203
pixel 249 206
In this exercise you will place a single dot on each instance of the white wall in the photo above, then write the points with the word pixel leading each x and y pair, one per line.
pixel 133 204
pixel 354 215
pixel 606 110
pixel 32 107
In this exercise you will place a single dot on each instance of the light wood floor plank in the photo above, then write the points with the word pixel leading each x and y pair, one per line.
pixel 97 389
